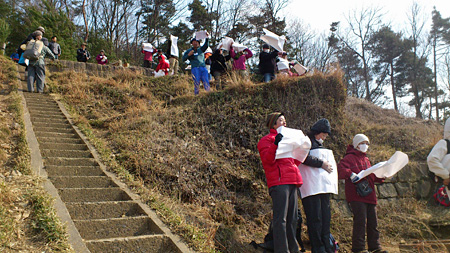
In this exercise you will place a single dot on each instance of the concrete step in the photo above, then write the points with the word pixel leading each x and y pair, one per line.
pixel 63 130
pixel 63 146
pixel 136 244
pixel 82 182
pixel 116 227
pixel 59 140
pixel 49 118
pixel 47 153
pixel 73 171
pixel 40 121
pixel 104 210
pixel 92 194
pixel 51 124
pixel 48 109
pixel 56 135
pixel 70 161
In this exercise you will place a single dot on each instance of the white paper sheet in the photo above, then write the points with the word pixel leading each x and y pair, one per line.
pixel 274 40
pixel 238 47
pixel 387 168
pixel 148 47
pixel 174 47
pixel 226 42
pixel 200 35
pixel 293 145
pixel 300 69
pixel 318 180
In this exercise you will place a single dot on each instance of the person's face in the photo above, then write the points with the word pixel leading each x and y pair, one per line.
pixel 39 37
pixel 362 144
pixel 54 39
pixel 321 136
pixel 281 121
pixel 102 53
pixel 83 46
pixel 195 44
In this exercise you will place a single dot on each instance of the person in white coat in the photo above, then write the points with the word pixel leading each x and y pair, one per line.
pixel 439 158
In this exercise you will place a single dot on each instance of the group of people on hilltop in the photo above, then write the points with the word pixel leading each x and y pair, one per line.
pixel 287 178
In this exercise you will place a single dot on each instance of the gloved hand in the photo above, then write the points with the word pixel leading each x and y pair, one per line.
pixel 278 139
pixel 354 178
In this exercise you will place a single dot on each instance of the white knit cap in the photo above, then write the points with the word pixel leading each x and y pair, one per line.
pixel 358 139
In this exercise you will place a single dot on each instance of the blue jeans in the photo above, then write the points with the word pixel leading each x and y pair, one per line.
pixel 268 77
pixel 200 74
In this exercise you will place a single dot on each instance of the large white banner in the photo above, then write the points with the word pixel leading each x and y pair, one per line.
pixel 293 145
pixel 318 180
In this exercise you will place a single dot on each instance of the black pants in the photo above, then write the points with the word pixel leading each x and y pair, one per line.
pixel 318 218
pixel 365 219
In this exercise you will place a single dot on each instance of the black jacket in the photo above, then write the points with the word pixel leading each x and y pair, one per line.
pixel 313 161
pixel 267 62
pixel 218 62
pixel 82 55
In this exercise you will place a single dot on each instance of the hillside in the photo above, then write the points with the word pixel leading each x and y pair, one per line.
pixel 194 159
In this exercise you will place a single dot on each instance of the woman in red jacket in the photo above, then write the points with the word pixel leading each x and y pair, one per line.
pixel 283 179
pixel 363 207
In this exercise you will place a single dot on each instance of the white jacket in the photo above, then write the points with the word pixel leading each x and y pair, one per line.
pixel 317 180
pixel 438 159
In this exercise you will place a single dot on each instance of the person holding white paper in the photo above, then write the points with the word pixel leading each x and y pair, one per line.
pixel 239 58
pixel 196 56
pixel 148 54
pixel 318 184
pixel 361 196
pixel 267 63
pixel 439 158
pixel 172 54
pixel 283 179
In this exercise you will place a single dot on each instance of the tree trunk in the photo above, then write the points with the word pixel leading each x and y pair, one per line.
pixel 86 37
pixel 394 95
pixel 435 82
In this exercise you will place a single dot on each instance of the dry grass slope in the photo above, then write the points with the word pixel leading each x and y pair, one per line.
pixel 194 159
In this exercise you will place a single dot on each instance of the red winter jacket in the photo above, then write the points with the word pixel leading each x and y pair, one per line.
pixel 163 65
pixel 281 171
pixel 356 161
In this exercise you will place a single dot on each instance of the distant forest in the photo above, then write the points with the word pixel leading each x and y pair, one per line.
pixel 408 70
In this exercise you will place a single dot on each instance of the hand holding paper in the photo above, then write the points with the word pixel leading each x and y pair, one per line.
pixel 387 168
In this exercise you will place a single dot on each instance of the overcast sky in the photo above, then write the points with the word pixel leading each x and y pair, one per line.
pixel 319 14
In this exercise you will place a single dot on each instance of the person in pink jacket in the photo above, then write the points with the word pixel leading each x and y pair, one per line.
pixel 101 58
pixel 239 59
pixel 283 179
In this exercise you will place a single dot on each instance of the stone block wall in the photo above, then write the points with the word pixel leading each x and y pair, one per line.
pixel 92 68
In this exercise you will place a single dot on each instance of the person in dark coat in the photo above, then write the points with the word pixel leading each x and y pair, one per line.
pixel 267 63
pixel 363 207
pixel 83 54
pixel 317 207
pixel 219 67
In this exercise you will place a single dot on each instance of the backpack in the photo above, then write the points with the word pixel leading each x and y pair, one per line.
pixel 33 50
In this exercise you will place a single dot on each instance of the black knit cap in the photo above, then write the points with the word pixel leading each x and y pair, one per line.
pixel 272 119
pixel 321 126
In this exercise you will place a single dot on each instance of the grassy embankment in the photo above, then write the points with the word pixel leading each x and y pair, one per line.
pixel 28 222
pixel 194 159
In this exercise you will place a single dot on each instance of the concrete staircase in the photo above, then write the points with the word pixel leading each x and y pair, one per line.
pixel 106 214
